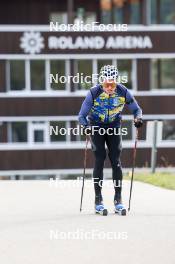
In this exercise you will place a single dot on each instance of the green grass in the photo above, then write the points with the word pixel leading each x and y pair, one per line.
pixel 165 180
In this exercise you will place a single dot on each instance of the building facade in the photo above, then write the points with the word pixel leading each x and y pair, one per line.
pixel 34 53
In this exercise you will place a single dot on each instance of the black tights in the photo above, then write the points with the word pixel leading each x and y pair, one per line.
pixel 113 143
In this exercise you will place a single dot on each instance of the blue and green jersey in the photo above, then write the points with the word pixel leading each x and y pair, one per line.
pixel 99 108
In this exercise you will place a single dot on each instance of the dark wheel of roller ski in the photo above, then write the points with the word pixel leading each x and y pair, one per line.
pixel 119 208
pixel 123 212
pixel 105 212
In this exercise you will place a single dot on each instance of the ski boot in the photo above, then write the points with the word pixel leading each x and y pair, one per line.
pixel 99 207
pixel 119 208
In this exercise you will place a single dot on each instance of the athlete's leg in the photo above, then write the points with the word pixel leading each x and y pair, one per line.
pixel 114 146
pixel 98 148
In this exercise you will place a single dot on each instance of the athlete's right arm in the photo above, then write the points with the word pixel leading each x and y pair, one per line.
pixel 85 109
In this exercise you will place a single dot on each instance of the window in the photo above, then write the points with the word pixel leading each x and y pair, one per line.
pixel 73 124
pixel 168 130
pixel 82 15
pixel 60 17
pixel 154 77
pixel 118 14
pixel 101 63
pixel 17 75
pixel 38 136
pixel 163 74
pixel 38 132
pixel 135 12
pixel 167 12
pixel 127 124
pixel 18 132
pixel 57 68
pixel 83 68
pixel 58 135
pixel 163 12
pixel 118 11
pixel 106 7
pixel 90 17
pixel 37 72
pixel 3 132
pixel 125 72
pixel 153 12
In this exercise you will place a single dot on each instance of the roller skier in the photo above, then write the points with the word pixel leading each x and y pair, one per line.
pixel 102 109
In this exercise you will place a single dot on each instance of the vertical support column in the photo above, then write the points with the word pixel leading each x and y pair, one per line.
pixel 94 69
pixel 134 74
pixel 27 76
pixel 98 11
pixel 154 148
pixel 146 12
pixel 68 136
pixel 46 132
pixel 158 12
pixel 143 65
pixel 3 132
pixel 73 86
pixel 159 79
pixel 70 11
pixel 143 74
pixel 47 75
pixel 7 75
pixel 67 71
pixel 126 13
pixel 2 76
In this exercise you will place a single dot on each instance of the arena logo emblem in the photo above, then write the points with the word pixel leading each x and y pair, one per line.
pixel 32 42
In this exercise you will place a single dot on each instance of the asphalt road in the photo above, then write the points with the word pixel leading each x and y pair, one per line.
pixel 41 224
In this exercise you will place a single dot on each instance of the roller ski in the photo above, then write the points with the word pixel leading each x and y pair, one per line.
pixel 119 208
pixel 99 207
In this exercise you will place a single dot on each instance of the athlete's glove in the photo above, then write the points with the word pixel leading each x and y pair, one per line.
pixel 138 122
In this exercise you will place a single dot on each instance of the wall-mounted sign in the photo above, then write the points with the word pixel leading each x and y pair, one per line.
pixel 87 42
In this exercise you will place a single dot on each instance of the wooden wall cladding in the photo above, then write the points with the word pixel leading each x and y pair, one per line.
pixel 73 159
pixel 56 106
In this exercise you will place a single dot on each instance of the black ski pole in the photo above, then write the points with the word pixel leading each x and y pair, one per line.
pixel 133 166
pixel 84 171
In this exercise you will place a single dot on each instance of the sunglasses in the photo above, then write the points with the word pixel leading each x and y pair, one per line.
pixel 109 85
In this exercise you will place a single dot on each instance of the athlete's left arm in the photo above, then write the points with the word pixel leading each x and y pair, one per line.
pixel 133 105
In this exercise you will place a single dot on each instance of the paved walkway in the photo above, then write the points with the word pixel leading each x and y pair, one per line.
pixel 41 224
